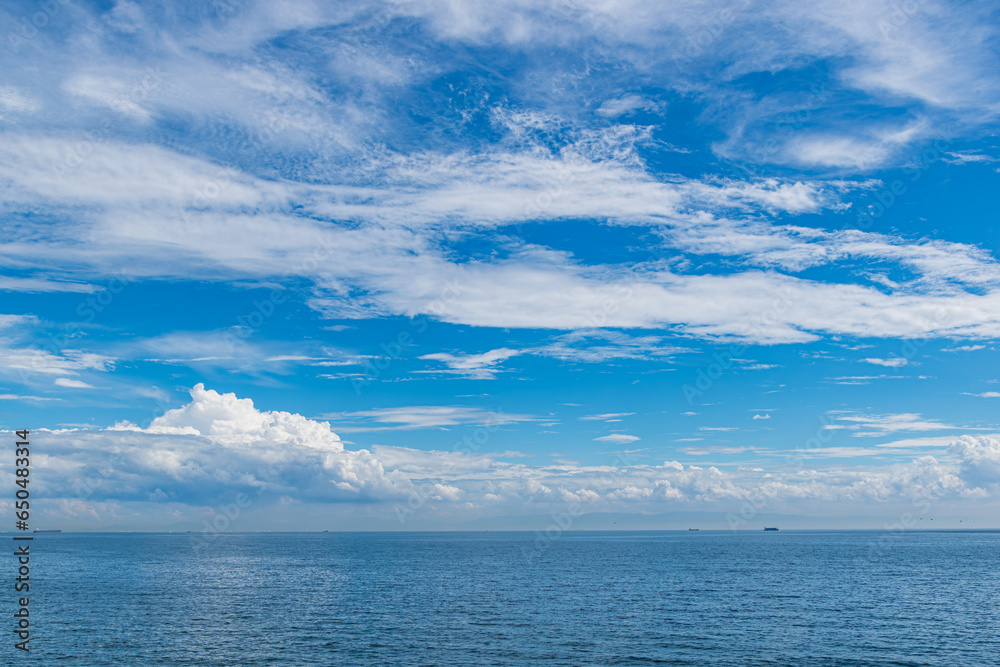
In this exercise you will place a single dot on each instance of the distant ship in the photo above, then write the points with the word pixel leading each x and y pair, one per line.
pixel 766 528
pixel 47 531
pixel 694 528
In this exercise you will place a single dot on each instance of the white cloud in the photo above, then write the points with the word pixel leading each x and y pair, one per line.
pixel 895 362
pixel 863 379
pixel 473 366
pixel 838 151
pixel 609 416
pixel 218 442
pixel 617 438
pixel 880 425
pixel 627 104
pixel 709 450
pixel 27 363
pixel 764 416
pixel 457 463
pixel 959 157
pixel 935 441
pixel 979 460
pixel 15 101
pixel 218 445
pixel 234 350
pixel 589 346
pixel 74 384
pixel 249 229
pixel 964 348
pixel 277 170
pixel 596 346
pixel 985 394
pixel 423 416
pixel 16 397
pixel 42 285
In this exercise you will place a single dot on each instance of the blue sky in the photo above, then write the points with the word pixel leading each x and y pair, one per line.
pixel 485 260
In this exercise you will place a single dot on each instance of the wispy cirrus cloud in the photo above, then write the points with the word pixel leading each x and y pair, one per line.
pixel 72 384
pixel 618 438
pixel 607 417
pixel 866 425
pixel 474 366
pixel 421 417
pixel 895 362
pixel 586 346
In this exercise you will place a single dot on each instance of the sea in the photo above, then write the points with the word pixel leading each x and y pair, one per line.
pixel 509 598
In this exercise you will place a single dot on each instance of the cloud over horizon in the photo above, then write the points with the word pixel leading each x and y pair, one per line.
pixel 219 447
pixel 488 243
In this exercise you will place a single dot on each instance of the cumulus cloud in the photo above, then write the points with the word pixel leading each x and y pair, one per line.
pixel 979 460
pixel 219 443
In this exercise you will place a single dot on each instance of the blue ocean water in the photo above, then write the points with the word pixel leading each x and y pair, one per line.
pixel 498 598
